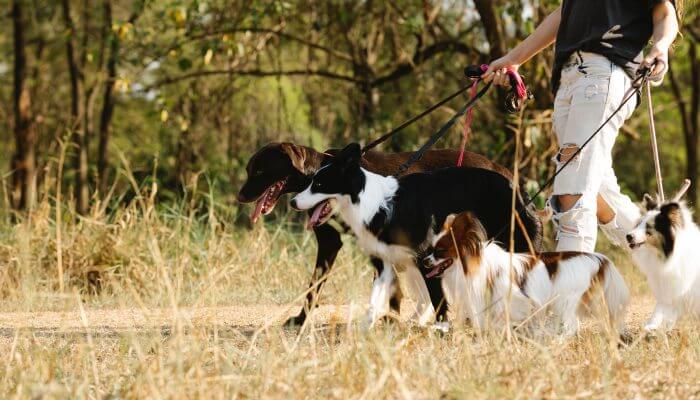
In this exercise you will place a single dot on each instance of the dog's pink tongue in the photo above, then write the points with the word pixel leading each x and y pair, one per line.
pixel 258 209
pixel 316 216
pixel 434 272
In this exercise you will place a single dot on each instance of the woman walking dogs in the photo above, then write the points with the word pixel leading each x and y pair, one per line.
pixel 598 51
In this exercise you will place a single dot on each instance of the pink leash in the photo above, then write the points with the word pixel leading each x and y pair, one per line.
pixel 520 89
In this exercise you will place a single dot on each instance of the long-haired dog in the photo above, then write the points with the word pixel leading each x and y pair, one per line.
pixel 664 247
pixel 478 279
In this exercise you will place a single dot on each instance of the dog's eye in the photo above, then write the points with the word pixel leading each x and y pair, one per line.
pixel 316 185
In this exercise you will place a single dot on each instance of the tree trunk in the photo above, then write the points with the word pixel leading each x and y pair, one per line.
pixel 80 158
pixel 694 123
pixel 107 100
pixel 689 116
pixel 691 153
pixel 487 13
pixel 24 159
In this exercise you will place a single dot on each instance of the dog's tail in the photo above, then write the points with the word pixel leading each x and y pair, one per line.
pixel 616 294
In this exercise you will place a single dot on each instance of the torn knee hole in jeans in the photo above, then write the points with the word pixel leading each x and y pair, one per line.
pixel 568 225
pixel 566 152
pixel 569 221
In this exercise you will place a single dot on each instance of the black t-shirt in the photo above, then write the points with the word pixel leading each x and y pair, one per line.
pixel 616 29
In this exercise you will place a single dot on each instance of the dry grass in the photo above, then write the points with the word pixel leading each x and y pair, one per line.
pixel 187 309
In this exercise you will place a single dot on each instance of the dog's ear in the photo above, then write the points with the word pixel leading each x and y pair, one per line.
pixel 667 223
pixel 351 154
pixel 449 221
pixel 673 212
pixel 297 155
pixel 649 203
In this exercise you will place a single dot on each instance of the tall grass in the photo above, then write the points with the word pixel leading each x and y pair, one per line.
pixel 142 290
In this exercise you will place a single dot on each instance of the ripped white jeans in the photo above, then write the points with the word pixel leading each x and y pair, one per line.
pixel 591 88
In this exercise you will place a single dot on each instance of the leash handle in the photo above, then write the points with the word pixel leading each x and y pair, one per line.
pixel 518 93
pixel 475 71
pixel 516 81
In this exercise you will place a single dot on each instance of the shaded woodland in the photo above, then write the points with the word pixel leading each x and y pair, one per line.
pixel 180 93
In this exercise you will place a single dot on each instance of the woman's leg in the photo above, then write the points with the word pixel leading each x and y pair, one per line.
pixel 595 94
pixel 617 214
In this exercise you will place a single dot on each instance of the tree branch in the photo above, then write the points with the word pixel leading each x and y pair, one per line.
pixel 276 32
pixel 254 72
pixel 420 57
pixel 680 102
pixel 489 19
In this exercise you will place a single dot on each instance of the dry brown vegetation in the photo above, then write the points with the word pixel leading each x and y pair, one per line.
pixel 190 307
pixel 142 291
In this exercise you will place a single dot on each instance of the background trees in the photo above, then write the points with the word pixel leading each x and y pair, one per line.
pixel 188 89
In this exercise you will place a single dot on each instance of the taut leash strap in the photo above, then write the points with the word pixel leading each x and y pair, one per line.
pixel 654 144
pixel 410 121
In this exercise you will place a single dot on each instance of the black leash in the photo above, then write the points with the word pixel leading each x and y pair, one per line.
pixel 441 132
pixel 410 121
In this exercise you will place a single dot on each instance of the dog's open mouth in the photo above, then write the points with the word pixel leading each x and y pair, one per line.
pixel 322 213
pixel 266 203
pixel 635 245
pixel 439 268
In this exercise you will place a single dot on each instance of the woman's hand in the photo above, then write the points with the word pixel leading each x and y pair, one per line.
pixel 665 31
pixel 657 61
pixel 498 71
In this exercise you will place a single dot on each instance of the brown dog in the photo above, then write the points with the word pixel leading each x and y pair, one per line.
pixel 279 168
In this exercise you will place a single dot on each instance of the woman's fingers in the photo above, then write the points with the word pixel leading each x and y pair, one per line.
pixel 490 73
pixel 659 67
pixel 502 78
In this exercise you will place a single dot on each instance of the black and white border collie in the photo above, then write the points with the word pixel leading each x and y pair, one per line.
pixel 665 248
pixel 480 277
pixel 395 219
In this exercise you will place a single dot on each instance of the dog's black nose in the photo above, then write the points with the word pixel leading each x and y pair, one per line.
pixel 293 203
pixel 630 238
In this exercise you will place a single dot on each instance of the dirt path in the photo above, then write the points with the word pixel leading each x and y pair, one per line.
pixel 231 316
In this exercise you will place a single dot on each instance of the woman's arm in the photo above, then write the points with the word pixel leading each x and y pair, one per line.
pixel 543 36
pixel 665 31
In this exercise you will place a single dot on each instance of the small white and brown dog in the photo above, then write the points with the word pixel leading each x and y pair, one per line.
pixel 665 248
pixel 477 278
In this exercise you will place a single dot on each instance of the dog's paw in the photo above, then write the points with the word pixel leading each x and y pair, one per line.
pixel 297 321
pixel 441 327
pixel 626 338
